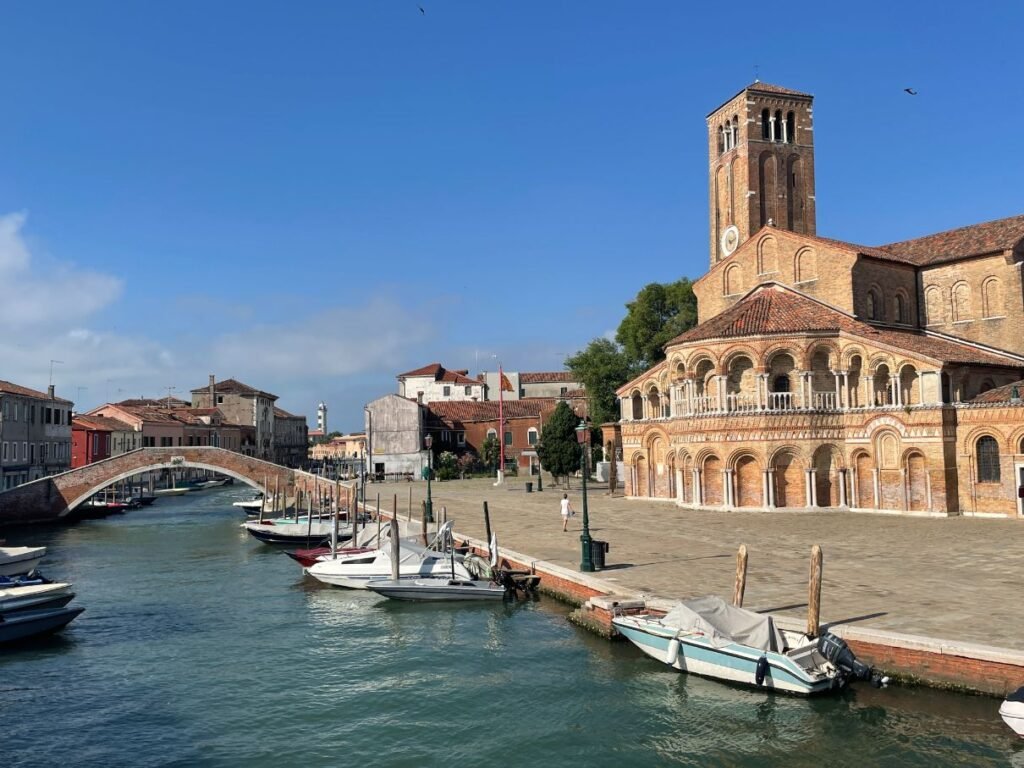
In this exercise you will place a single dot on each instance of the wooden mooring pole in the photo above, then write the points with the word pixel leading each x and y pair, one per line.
pixel 395 549
pixel 263 501
pixel 814 593
pixel 487 526
pixel 741 576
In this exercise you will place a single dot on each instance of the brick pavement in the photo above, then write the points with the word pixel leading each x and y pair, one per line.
pixel 949 578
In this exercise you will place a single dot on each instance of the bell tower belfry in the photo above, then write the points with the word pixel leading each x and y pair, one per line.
pixel 760 165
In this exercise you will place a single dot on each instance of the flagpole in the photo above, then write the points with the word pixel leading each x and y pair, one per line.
pixel 501 425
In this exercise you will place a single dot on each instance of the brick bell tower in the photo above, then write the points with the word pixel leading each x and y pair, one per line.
pixel 760 165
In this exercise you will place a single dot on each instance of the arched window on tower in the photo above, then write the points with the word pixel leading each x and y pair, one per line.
pixel 779 126
pixel 735 130
pixel 901 309
pixel 765 119
pixel 790 128
pixel 872 306
pixel 722 145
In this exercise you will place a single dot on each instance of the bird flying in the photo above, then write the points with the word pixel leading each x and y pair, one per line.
pixel 911 91
pixel 421 10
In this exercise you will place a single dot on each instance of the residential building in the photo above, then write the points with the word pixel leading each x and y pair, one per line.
pixel 291 438
pixel 93 439
pixel 243 405
pixel 824 373
pixel 519 385
pixel 435 382
pixel 342 447
pixel 35 434
pixel 394 437
pixel 154 426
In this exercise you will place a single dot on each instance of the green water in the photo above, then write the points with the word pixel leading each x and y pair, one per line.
pixel 202 647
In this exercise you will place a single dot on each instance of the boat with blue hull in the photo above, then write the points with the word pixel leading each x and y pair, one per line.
pixel 711 638
pixel 22 625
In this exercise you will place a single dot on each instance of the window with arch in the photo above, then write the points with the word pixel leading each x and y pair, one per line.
pixel 991 298
pixel 492 433
pixel 765 120
pixel 987 450
pixel 781 383
pixel 900 308
pixel 961 301
pixel 790 127
pixel 933 306
pixel 732 280
pixel 871 303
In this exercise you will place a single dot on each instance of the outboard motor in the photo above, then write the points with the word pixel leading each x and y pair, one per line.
pixel 842 658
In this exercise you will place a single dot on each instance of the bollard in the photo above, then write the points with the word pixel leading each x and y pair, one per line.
pixel 814 593
pixel 741 576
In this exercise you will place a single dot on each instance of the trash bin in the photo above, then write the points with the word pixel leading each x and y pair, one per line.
pixel 598 549
pixel 529 487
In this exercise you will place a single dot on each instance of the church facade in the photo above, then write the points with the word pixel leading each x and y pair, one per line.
pixel 823 373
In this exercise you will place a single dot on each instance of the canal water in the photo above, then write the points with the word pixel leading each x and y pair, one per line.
pixel 202 647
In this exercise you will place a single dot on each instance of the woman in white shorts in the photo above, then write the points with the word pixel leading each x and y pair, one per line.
pixel 566 511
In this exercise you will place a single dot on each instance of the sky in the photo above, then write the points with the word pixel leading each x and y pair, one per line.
pixel 314 197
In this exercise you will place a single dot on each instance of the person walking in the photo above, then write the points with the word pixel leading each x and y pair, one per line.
pixel 567 511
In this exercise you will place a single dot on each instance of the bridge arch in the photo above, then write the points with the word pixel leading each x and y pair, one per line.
pixel 52 498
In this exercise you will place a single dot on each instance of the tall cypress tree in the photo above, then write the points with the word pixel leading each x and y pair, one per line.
pixel 559 450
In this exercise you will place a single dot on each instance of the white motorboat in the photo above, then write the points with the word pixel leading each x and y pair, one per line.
pixel 414 562
pixel 170 492
pixel 253 505
pixel 1012 711
pixel 437 589
pixel 18 560
pixel 709 637
pixel 35 596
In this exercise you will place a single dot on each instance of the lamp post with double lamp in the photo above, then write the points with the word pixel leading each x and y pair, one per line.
pixel 428 509
pixel 583 437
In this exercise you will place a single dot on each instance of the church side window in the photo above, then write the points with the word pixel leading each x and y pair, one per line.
pixel 988 460
pixel 871 305
pixel 765 119
pixel 790 128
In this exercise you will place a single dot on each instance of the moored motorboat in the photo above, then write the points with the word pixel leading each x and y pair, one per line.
pixel 437 589
pixel 170 492
pixel 22 625
pixel 414 562
pixel 34 596
pixel 307 557
pixel 1012 711
pixel 709 637
pixel 18 560
pixel 292 531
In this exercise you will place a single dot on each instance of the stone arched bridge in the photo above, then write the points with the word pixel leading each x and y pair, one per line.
pixel 51 498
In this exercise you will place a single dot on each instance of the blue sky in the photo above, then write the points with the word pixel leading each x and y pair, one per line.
pixel 314 197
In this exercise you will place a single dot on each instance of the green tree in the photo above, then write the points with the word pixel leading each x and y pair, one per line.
pixel 490 452
pixel 602 367
pixel 659 313
pixel 559 451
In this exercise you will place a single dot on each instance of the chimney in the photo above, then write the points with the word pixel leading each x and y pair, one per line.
pixel 213 392
pixel 49 392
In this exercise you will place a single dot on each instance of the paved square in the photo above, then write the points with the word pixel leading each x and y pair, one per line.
pixel 948 578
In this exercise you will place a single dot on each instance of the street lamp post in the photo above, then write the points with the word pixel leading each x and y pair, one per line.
pixel 428 512
pixel 586 562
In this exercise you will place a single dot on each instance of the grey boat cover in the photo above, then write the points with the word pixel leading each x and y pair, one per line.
pixel 723 624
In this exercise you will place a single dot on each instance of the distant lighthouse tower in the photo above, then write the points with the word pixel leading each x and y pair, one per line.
pixel 321 418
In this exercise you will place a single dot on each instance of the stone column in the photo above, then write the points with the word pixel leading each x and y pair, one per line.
pixel 842 487
pixel 812 485
pixel 839 389
pixel 698 491
pixel 721 392
pixel 877 488
pixel 771 128
pixel 903 487
pixel 727 488
pixel 846 390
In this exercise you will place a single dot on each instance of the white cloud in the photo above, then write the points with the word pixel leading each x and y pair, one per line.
pixel 49 312
pixel 35 295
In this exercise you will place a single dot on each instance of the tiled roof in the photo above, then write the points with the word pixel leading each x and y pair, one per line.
pixel 470 410
pixel 8 388
pixel 426 370
pixel 757 85
pixel 773 309
pixel 440 373
pixel 546 377
pixel 143 412
pixel 962 243
pixel 1002 394
pixel 163 402
pixel 281 413
pixel 96 424
pixel 233 387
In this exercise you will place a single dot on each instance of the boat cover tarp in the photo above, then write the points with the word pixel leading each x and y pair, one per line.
pixel 723 624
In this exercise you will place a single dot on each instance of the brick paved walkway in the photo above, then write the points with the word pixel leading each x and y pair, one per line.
pixel 954 579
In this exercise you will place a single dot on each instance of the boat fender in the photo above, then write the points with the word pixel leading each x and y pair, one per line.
pixel 673 652
pixel 762 671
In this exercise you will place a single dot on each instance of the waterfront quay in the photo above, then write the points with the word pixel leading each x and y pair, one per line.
pixel 930 598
